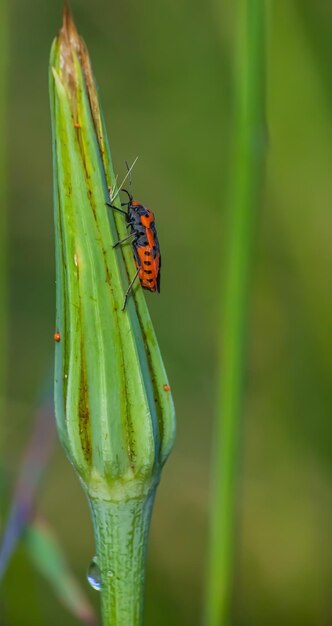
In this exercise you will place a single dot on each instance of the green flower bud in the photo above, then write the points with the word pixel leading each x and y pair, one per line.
pixel 114 410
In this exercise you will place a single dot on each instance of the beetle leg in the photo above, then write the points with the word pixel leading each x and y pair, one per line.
pixel 116 208
pixel 130 287
pixel 118 243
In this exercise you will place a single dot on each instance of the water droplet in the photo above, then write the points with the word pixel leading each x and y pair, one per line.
pixel 93 574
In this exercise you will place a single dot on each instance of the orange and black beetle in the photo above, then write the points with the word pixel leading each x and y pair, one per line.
pixel 145 244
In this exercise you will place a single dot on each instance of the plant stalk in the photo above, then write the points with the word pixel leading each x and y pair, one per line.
pixel 121 535
pixel 243 202
pixel 114 410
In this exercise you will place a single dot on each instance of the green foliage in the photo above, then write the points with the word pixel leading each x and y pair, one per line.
pixel 48 558
pixel 244 197
pixel 165 71
pixel 3 197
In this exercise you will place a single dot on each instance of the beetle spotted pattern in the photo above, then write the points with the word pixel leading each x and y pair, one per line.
pixel 145 244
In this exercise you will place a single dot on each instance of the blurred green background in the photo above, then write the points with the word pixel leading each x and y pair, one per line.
pixel 165 73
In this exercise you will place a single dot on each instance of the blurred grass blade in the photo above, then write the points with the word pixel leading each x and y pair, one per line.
pixel 243 202
pixel 50 561
pixel 4 26
pixel 114 411
pixel 33 465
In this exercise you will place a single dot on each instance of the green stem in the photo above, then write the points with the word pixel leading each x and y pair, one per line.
pixel 245 183
pixel 121 535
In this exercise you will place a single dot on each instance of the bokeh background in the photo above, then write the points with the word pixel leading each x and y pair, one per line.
pixel 164 69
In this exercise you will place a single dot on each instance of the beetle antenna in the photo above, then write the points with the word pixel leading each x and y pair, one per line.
pixel 124 180
pixel 128 170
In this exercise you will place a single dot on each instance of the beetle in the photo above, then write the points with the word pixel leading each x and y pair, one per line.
pixel 145 244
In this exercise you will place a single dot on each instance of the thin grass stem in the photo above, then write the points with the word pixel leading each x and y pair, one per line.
pixel 246 176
